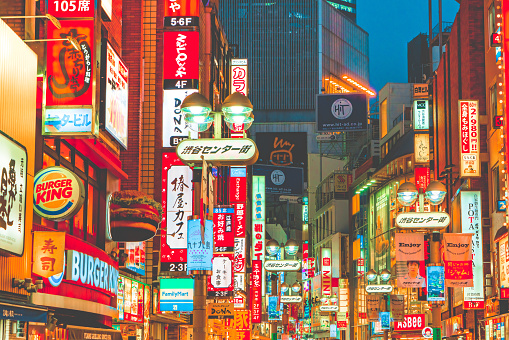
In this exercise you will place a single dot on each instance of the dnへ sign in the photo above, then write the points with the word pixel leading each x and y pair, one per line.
pixel 58 193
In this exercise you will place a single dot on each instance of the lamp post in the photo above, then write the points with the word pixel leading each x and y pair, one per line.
pixel 197 109
pixel 435 193
pixel 384 275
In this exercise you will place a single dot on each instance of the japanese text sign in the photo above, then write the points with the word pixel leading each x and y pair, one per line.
pixel 70 79
pixel 199 250
pixel 326 269
pixel 223 229
pixel 428 220
pixel 420 90
pixel 239 76
pixel 239 284
pixel 176 295
pixel 469 138
pixel 421 114
pixel 239 220
pixel 13 166
pixel 458 260
pixel 177 201
pixel 220 283
pixel 242 320
pixel 71 8
pixel 256 291
pixel 220 310
pixel 133 299
pixel 175 128
pixel 421 147
pixel 116 96
pixel 239 266
pixel 422 177
pixel 239 151
pixel 178 13
pixel 473 297
pixel 258 217
pixel 181 59
pixel 48 256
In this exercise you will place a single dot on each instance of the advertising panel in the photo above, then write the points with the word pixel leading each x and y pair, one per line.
pixel 342 182
pixel 373 307
pixel 176 295
pixel 422 177
pixel 326 269
pixel 199 251
pixel 48 253
pixel 239 76
pixel 179 13
pixel 436 283
pixel 115 96
pixel 239 284
pixel 281 180
pixel 503 260
pixel 341 112
pixel 421 147
pixel 181 60
pixel 69 100
pixel 177 201
pixel 132 299
pixel 283 148
pixel 473 297
pixel 258 216
pixel 421 114
pixel 220 283
pixel 411 322
pixel 218 151
pixel 175 128
pixel 469 138
pixel 224 240
pixel 238 187
pixel 410 268
pixel 71 8
pixel 398 307
pixel 239 220
pixel 458 260
pixel 256 291
pixel 135 257
pixel 420 90
pixel 13 164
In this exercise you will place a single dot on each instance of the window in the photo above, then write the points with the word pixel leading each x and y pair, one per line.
pixel 85 223
pixel 383 119
pixel 493 101
pixel 491 20
pixel 495 181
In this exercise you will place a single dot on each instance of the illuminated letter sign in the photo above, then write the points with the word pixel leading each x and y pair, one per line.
pixel 179 13
pixel 91 271
pixel 326 269
pixel 469 138
pixel 225 151
pixel 181 60
pixel 71 8
pixel 238 76
pixel 421 114
pixel 175 128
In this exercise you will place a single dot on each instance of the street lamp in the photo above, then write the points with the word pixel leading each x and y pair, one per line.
pixel 371 275
pixel 296 287
pixel 237 109
pixel 385 275
pixel 272 247
pixel 291 247
pixel 284 287
pixel 435 192
pixel 407 194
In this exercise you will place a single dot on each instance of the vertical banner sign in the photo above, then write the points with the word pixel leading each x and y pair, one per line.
pixel 238 76
pixel 223 229
pixel 398 307
pixel 422 177
pixel 258 216
pixel 181 13
pixel 436 284
pixel 146 314
pixel 220 283
pixel 115 96
pixel 326 269
pixel 237 184
pixel 373 306
pixel 69 105
pixel 239 220
pixel 239 265
pixel 458 260
pixel 469 138
pixel 256 291
pixel 410 269
pixel 505 49
pixel 177 201
pixel 175 128
pixel 473 297
pixel 421 114
pixel 199 251
pixel 242 324
pixel 48 256
pixel 181 60
pixel 421 147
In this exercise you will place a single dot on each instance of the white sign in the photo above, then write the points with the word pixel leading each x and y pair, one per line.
pixel 469 138
pixel 258 216
pixel 378 288
pixel 421 114
pixel 421 147
pixel 116 101
pixel 473 297
pixel 175 128
pixel 226 151
pixel 13 167
pixel 239 76
pixel 427 332
pixel 291 299
pixel 325 138
pixel 332 308
pixel 239 282
pixel 223 266
pixel 428 220
pixel 179 205
pixel 91 271
pixel 107 6
pixel 239 264
pixel 282 265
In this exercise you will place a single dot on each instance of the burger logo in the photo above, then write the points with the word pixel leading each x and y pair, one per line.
pixel 58 193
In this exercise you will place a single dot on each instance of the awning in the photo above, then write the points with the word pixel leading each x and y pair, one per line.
pixel 12 310
pixel 500 233
pixel 80 333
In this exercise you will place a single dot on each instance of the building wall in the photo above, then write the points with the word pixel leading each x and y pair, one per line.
pixel 418 59
pixel 394 97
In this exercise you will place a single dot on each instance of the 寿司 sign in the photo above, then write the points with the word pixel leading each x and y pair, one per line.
pixel 225 151
pixel 58 193
pixel 469 138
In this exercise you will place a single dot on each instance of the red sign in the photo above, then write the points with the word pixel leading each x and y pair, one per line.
pixel 473 305
pixel 256 292
pixel 181 8
pixel 305 250
pixel 504 293
pixel 239 220
pixel 224 240
pixel 71 8
pixel 342 324
pixel 411 322
pixel 311 267
pixel 69 71
pixel 496 39
pixel 181 57
pixel 238 187
pixel 422 178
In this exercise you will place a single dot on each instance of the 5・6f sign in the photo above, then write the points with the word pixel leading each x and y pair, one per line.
pixel 58 193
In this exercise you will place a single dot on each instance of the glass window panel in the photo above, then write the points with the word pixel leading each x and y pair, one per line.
pixel 92 173
pixel 51 143
pixel 65 152
pixel 79 162
pixel 93 199
pixel 79 221
pixel 47 161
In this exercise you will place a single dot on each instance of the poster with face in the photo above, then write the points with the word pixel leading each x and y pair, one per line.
pixel 410 268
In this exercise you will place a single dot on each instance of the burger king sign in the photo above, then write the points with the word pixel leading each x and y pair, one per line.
pixel 58 193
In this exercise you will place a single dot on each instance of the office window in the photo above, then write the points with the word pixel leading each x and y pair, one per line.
pixel 493 101
pixel 491 20
pixel 383 119
pixel 495 182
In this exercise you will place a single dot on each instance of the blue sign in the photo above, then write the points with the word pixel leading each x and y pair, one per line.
pixel 273 312
pixel 238 172
pixel 282 180
pixel 385 320
pixel 176 295
pixel 199 251
pixel 501 206
pixel 436 288
pixel 68 120
pixel 13 312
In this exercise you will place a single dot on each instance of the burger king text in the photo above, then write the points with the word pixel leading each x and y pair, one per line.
pixel 91 271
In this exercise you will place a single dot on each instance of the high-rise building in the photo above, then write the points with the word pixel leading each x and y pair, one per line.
pixel 348 7
pixel 418 59
pixel 295 49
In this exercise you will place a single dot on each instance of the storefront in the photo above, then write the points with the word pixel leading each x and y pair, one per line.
pixel 133 305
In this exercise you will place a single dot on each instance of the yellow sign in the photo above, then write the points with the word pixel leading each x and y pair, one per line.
pixel 421 147
pixel 420 90
pixel 220 310
pixel 49 247
pixel 341 182
pixel 242 320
